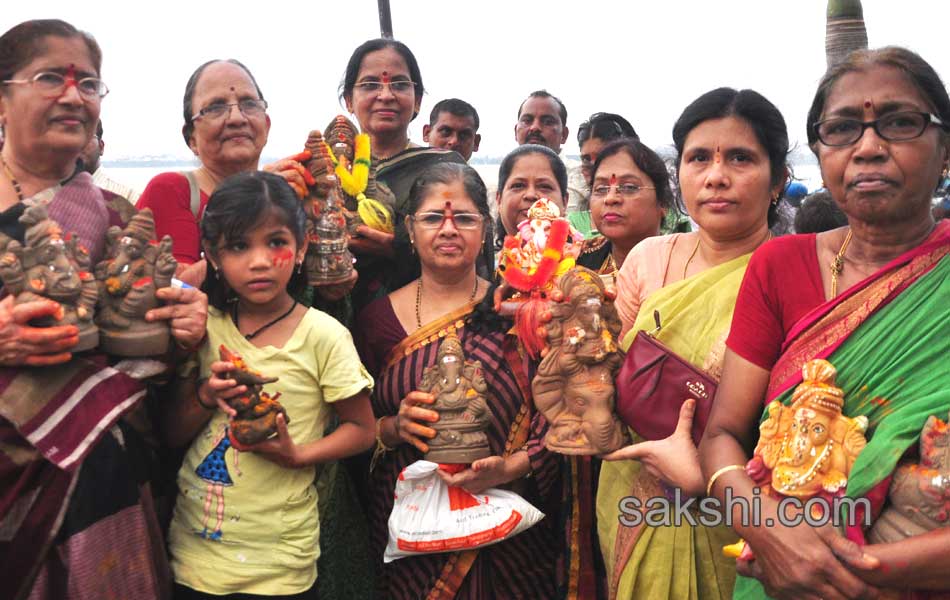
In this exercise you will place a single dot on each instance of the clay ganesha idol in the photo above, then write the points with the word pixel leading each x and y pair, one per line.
pixel 574 385
pixel 137 266
pixel 49 265
pixel 366 200
pixel 328 259
pixel 806 450
pixel 919 496
pixel 256 418
pixel 459 389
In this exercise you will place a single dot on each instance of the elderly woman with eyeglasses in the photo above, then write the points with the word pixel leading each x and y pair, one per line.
pixel 70 464
pixel 226 127
pixel 871 299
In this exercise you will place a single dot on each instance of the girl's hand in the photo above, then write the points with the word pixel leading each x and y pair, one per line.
pixel 409 421
pixel 370 241
pixel 218 389
pixel 293 172
pixel 483 474
pixel 674 460
pixel 187 313
pixel 282 449
pixel 21 344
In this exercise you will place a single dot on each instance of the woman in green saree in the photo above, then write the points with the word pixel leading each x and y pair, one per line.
pixel 870 298
pixel 731 148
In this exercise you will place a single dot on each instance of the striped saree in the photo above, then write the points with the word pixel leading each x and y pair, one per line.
pixel 521 567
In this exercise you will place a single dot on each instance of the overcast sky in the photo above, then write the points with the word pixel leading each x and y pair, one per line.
pixel 645 60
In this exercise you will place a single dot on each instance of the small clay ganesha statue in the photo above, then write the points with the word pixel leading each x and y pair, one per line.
pixel 806 450
pixel 137 266
pixel 328 259
pixel 50 265
pixel 256 418
pixel 459 389
pixel 574 385
pixel 919 496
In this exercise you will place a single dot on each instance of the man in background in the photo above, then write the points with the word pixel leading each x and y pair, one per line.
pixel 542 119
pixel 453 125
pixel 91 156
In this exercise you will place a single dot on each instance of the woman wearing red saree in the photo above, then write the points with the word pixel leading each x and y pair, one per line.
pixel 871 298
pixel 398 337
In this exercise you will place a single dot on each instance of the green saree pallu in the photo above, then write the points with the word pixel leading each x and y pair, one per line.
pixel 671 561
pixel 887 338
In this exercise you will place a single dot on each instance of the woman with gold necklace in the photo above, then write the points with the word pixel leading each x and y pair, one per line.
pixel 400 335
pixel 630 197
pixel 731 152
pixel 871 299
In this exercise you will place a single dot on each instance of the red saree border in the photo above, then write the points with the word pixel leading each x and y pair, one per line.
pixel 819 333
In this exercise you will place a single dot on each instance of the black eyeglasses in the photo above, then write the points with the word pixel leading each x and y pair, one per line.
pixel 894 127
pixel 435 220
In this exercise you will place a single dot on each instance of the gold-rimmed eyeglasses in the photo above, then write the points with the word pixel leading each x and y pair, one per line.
pixel 397 87
pixel 53 85
pixel 627 191
pixel 249 107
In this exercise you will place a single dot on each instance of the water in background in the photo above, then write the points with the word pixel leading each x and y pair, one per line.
pixel 138 177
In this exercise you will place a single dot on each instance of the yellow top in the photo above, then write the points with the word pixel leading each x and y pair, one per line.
pixel 242 523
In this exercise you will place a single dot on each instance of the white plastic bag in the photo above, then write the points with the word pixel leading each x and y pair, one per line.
pixel 428 516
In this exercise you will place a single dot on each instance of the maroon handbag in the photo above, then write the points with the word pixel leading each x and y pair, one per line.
pixel 654 382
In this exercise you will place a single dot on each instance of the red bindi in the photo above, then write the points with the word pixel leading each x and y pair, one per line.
pixel 718 157
pixel 386 77
pixel 613 179
pixel 868 104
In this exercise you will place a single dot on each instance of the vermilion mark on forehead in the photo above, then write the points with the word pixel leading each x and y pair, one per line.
pixel 281 257
pixel 385 76
pixel 718 157
pixel 868 104
pixel 613 179
pixel 232 88
pixel 71 72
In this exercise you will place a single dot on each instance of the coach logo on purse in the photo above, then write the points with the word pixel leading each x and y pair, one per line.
pixel 697 388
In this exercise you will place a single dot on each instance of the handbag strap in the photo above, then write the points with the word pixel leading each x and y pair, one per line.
pixel 195 193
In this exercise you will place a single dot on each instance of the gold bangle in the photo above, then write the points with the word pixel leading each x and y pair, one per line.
pixel 717 474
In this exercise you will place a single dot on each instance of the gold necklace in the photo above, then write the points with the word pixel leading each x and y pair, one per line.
pixel 768 236
pixel 12 178
pixel 837 265
pixel 691 255
pixel 419 299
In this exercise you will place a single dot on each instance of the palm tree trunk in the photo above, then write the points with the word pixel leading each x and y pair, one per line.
pixel 844 30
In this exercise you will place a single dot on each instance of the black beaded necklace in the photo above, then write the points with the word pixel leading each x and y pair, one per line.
pixel 9 173
pixel 253 334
